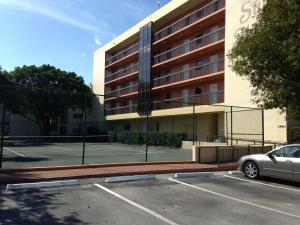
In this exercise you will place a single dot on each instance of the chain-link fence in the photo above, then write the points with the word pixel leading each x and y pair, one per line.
pixel 58 128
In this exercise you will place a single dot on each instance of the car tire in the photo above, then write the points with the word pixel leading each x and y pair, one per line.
pixel 251 170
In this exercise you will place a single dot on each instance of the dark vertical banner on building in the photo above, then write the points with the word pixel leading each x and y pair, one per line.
pixel 145 78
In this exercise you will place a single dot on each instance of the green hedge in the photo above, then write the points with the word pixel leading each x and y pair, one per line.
pixel 294 134
pixel 154 138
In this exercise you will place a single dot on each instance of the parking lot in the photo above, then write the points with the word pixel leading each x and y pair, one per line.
pixel 222 198
pixel 62 154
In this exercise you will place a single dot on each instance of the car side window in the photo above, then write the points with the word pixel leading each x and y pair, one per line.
pixel 296 153
pixel 285 151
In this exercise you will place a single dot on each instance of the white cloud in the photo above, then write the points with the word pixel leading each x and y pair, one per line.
pixel 58 12
pixel 97 41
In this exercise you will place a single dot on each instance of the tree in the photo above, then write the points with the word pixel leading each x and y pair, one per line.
pixel 42 94
pixel 268 54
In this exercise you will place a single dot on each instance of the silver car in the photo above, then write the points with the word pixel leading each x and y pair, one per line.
pixel 282 162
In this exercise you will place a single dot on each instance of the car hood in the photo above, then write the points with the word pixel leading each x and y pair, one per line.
pixel 254 156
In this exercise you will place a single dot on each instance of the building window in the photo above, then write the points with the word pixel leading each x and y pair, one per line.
pixel 167 77
pixel 169 30
pixel 169 53
pixel 199 64
pixel 75 131
pixel 199 39
pixel 76 116
pixel 127 127
pixel 168 96
pixel 215 6
pixel 199 13
pixel 187 21
pixel 198 91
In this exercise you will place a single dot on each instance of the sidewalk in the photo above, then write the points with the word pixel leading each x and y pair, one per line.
pixel 88 171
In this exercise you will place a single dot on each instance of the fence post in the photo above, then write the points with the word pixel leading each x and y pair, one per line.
pixel 172 127
pixel 84 130
pixel 2 134
pixel 232 155
pixel 226 127
pixel 231 130
pixel 147 130
pixel 193 124
pixel 263 128
pixel 217 156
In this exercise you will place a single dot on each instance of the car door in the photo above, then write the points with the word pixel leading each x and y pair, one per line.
pixel 296 165
pixel 279 164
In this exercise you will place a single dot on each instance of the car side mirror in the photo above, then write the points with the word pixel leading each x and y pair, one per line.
pixel 270 155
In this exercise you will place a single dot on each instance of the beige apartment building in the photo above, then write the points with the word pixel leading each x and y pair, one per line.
pixel 177 56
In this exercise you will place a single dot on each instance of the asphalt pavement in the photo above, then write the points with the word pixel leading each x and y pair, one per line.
pixel 223 199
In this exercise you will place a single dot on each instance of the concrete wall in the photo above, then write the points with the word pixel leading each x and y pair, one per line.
pixel 20 126
pixel 242 13
pixel 205 124
pixel 98 84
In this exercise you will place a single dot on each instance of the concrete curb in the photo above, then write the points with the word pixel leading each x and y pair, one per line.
pixel 194 174
pixel 19 177
pixel 129 178
pixel 233 172
pixel 42 184
pixel 92 166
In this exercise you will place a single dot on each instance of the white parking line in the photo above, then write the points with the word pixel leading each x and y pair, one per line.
pixel 123 149
pixel 255 182
pixel 67 149
pixel 124 153
pixel 236 199
pixel 149 211
pixel 8 149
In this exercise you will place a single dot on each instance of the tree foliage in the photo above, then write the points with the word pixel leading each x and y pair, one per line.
pixel 268 54
pixel 42 94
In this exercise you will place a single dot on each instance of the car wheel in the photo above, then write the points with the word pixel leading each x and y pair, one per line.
pixel 251 170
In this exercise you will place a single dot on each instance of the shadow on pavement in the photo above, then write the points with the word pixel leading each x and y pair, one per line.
pixel 282 182
pixel 33 207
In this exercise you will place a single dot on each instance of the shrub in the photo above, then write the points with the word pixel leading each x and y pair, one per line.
pixel 154 138
pixel 294 134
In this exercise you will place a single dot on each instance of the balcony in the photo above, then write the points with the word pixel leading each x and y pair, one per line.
pixel 121 110
pixel 190 47
pixel 201 99
pixel 190 19
pixel 122 91
pixel 122 73
pixel 123 54
pixel 190 74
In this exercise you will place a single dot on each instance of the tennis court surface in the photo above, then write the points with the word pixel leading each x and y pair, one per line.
pixel 19 152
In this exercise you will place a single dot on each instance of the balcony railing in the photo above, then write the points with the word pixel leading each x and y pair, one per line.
pixel 198 71
pixel 123 54
pixel 122 91
pixel 190 19
pixel 121 110
pixel 190 46
pixel 201 99
pixel 128 70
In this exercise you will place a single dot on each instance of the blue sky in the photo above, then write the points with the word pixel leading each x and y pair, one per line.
pixel 64 33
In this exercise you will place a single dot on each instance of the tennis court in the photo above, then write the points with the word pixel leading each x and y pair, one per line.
pixel 62 151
